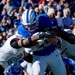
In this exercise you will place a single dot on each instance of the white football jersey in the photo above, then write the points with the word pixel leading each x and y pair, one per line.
pixel 9 54
pixel 67 49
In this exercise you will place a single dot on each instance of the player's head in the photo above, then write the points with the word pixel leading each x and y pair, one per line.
pixel 30 20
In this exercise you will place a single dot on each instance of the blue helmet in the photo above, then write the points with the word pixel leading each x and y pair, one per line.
pixel 27 5
pixel 30 19
pixel 15 69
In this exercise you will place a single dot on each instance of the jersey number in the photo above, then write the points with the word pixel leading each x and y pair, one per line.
pixel 18 57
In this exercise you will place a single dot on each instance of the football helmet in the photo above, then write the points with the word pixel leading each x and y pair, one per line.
pixel 30 20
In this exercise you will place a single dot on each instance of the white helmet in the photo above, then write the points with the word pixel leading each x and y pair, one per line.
pixel 30 18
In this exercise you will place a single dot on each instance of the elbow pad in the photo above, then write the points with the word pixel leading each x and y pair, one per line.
pixel 14 43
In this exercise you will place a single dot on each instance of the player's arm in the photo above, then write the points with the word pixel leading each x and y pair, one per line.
pixel 30 41
pixel 23 42
pixel 69 37
pixel 54 40
pixel 65 35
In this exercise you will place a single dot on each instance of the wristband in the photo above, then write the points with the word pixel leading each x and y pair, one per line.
pixel 29 41
pixel 22 42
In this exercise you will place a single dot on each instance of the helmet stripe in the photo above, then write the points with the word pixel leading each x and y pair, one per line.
pixel 27 14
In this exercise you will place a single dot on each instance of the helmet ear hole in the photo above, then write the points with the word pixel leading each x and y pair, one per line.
pixel 29 18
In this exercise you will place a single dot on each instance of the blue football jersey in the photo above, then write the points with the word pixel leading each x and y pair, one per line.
pixel 44 22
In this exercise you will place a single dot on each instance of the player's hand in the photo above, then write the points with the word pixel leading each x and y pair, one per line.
pixel 53 40
pixel 46 35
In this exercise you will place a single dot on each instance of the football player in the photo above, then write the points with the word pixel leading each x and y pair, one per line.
pixel 13 49
pixel 47 54
pixel 67 45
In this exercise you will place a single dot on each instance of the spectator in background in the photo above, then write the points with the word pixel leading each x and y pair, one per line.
pixel 3 13
pixel 58 8
pixel 72 6
pixel 20 11
pixel 17 19
pixel 39 11
pixel 4 26
pixel 49 5
pixel 67 20
pixel 9 8
pixel 43 6
pixel 54 3
pixel 61 4
pixel 13 17
pixel 67 6
pixel 59 19
pixel 31 1
pixel 2 4
pixel 51 14
pixel 23 1
pixel 8 20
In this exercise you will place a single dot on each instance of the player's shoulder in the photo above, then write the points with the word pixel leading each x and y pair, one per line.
pixel 43 16
pixel 22 31
pixel 20 27
pixel 44 20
